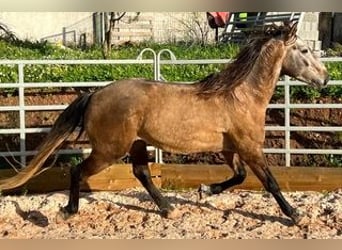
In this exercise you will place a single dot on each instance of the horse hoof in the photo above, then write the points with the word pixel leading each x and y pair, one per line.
pixel 300 219
pixel 63 214
pixel 171 214
pixel 204 190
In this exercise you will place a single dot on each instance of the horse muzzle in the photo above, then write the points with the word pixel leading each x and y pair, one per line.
pixel 320 83
pixel 326 80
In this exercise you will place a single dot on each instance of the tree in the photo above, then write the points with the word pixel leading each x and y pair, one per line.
pixel 195 28
pixel 112 21
pixel 5 33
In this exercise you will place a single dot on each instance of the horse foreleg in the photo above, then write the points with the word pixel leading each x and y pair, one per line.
pixel 261 170
pixel 141 171
pixel 234 162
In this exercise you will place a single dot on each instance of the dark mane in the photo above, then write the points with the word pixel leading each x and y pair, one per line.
pixel 236 72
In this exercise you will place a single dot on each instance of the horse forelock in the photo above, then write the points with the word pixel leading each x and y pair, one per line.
pixel 236 72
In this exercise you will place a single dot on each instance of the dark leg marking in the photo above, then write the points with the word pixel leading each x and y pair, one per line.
pixel 261 170
pixel 72 207
pixel 239 176
pixel 141 171
pixel 90 166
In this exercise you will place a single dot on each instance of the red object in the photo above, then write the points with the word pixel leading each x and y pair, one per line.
pixel 217 19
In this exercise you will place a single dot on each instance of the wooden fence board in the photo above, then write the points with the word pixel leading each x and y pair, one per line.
pixel 176 176
pixel 118 177
pixel 115 177
pixel 289 178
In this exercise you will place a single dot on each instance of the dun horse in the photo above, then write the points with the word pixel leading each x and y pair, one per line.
pixel 225 112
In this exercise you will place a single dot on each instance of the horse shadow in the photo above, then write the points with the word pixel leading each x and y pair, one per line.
pixel 37 218
pixel 144 197
pixel 33 216
pixel 260 217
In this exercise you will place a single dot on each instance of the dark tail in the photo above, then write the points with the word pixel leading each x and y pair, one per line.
pixel 65 124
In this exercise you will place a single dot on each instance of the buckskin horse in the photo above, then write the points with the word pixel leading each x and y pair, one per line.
pixel 225 112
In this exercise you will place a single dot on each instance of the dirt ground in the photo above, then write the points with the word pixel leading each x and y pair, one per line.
pixel 131 214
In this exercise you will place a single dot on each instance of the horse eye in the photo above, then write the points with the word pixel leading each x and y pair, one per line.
pixel 304 51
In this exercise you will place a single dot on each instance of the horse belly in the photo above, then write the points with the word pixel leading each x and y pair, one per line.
pixel 183 142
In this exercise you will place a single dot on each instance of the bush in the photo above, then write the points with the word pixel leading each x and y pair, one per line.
pixel 76 73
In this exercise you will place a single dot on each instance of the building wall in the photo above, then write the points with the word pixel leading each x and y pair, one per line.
pixel 35 25
pixel 308 29
pixel 166 26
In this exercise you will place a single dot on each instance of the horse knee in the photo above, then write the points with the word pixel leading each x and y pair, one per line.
pixel 139 159
pixel 138 153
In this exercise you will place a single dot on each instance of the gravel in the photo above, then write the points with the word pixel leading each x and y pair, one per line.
pixel 131 214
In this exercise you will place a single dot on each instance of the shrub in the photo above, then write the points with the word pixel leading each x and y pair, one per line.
pixel 75 73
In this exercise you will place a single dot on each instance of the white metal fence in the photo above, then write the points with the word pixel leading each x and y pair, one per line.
pixel 22 131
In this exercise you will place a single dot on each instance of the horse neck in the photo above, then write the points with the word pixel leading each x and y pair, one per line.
pixel 265 73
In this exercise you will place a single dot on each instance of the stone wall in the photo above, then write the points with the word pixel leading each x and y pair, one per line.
pixel 308 29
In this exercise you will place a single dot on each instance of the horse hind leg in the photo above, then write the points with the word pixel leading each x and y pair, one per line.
pixel 90 166
pixel 141 171
pixel 237 165
pixel 74 192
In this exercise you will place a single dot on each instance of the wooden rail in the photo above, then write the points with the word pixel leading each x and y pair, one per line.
pixel 289 178
pixel 176 176
pixel 115 177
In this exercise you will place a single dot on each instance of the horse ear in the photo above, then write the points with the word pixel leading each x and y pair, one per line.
pixel 290 37
pixel 293 29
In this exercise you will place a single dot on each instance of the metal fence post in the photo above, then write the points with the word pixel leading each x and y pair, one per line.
pixel 155 67
pixel 22 125
pixel 157 151
pixel 287 122
pixel 159 77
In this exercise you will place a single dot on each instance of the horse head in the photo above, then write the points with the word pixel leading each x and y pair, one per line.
pixel 300 62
